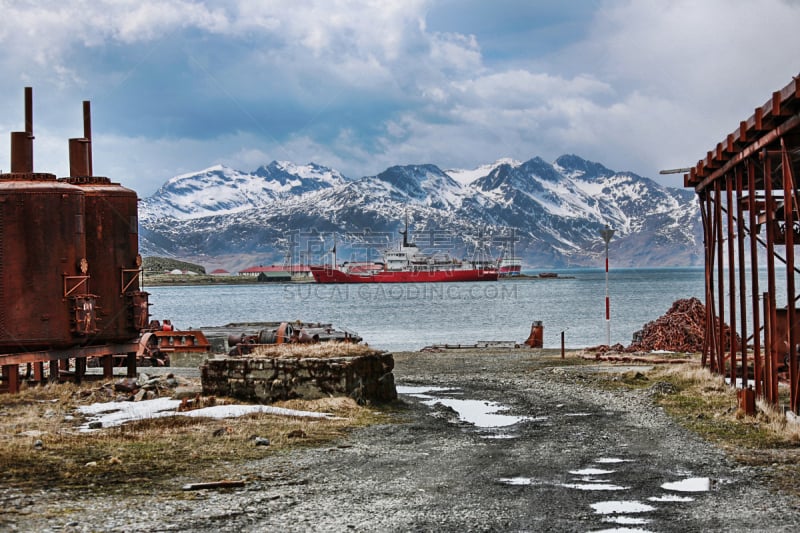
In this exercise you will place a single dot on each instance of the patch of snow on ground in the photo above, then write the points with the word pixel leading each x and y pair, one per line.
pixel 111 414
pixel 591 472
pixel 692 484
pixel 671 498
pixel 516 480
pixel 593 486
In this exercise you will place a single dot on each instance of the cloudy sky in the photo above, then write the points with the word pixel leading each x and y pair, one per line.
pixel 359 85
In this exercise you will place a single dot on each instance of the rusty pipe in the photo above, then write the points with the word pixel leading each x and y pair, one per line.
pixel 21 152
pixel 29 110
pixel 87 134
pixel 79 158
pixel 22 141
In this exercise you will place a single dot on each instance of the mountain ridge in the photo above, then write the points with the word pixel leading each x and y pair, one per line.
pixel 549 214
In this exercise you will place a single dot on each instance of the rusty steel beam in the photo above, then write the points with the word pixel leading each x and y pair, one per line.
pixel 705 209
pixel 732 346
pixel 769 301
pixel 740 230
pixel 720 278
pixel 64 355
pixel 754 148
pixel 11 378
pixel 711 309
pixel 768 116
pixel 751 193
pixel 789 219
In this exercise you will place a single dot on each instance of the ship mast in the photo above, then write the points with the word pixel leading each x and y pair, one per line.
pixel 405 234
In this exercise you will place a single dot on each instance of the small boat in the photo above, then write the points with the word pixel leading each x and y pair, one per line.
pixel 407 265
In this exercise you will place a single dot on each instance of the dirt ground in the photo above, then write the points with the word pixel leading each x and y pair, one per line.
pixel 582 459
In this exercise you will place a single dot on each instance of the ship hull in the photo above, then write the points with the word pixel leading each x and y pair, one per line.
pixel 510 270
pixel 331 275
pixel 511 266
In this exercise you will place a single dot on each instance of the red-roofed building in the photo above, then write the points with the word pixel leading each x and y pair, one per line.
pixel 294 272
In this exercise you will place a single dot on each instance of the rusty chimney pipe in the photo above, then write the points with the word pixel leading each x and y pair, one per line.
pixel 80 150
pixel 79 158
pixel 87 133
pixel 29 110
pixel 22 141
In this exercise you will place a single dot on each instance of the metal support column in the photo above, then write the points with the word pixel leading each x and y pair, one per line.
pixel 732 346
pixel 789 218
pixel 720 364
pixel 769 301
pixel 751 198
pixel 740 230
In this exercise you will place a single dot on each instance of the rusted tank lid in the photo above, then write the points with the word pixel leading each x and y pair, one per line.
pixel 87 180
pixel 28 176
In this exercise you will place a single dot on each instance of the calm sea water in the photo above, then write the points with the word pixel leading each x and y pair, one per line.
pixel 411 316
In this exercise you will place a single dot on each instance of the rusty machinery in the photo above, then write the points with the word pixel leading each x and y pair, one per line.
pixel 69 264
pixel 747 188
pixel 243 343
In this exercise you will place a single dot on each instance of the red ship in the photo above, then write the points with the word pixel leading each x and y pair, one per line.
pixel 510 267
pixel 407 265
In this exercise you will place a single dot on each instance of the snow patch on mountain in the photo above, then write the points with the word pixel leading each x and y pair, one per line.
pixel 465 177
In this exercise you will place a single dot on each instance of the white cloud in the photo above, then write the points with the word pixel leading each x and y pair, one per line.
pixel 652 84
pixel 686 73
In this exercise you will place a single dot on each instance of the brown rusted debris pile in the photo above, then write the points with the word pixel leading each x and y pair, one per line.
pixel 681 329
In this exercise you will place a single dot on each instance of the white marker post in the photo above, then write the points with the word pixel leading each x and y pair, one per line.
pixel 607 233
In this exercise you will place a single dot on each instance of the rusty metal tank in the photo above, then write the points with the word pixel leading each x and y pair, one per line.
pixel 112 245
pixel 112 248
pixel 43 301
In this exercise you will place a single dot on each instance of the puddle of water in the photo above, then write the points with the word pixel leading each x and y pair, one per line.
pixel 500 436
pixel 670 498
pixel 589 479
pixel 591 472
pixel 516 480
pixel 626 520
pixel 593 486
pixel 621 507
pixel 406 389
pixel 622 530
pixel 577 414
pixel 611 460
pixel 482 414
pixel 692 484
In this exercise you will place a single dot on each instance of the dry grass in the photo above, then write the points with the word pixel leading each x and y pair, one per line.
pixel 704 403
pixel 150 452
pixel 319 350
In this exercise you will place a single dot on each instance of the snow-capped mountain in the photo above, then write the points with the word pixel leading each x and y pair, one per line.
pixel 221 190
pixel 550 214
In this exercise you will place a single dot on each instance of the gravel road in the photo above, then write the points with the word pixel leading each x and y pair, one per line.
pixel 578 459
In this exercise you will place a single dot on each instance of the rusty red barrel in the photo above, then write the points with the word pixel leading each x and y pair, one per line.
pixel 536 338
pixel 42 255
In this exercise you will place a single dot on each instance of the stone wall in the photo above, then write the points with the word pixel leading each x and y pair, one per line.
pixel 366 378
